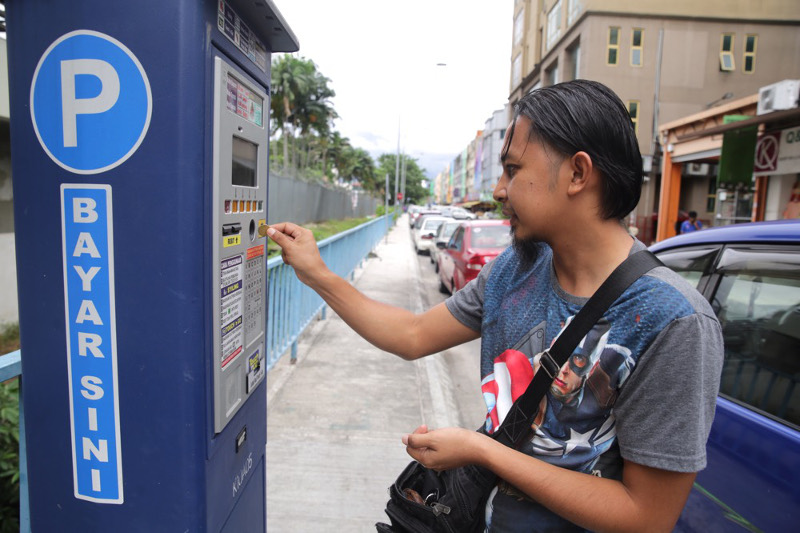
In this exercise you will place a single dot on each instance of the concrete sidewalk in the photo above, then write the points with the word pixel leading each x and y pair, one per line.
pixel 335 418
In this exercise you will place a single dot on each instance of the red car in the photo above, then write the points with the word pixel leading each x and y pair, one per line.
pixel 473 244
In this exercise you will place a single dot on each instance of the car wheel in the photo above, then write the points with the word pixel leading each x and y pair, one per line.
pixel 436 267
pixel 443 287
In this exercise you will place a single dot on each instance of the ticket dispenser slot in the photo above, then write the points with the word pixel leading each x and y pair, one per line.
pixel 239 252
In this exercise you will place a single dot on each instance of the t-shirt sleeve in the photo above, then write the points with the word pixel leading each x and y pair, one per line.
pixel 467 304
pixel 665 409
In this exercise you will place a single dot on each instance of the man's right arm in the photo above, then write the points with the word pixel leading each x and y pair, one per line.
pixel 391 329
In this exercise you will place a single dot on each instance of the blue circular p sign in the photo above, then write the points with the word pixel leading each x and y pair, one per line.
pixel 90 102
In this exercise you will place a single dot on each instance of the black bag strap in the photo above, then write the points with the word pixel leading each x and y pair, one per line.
pixel 517 422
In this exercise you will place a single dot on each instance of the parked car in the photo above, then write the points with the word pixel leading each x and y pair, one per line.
pixel 473 244
pixel 443 235
pixel 424 230
pixel 751 275
pixel 414 217
pixel 457 212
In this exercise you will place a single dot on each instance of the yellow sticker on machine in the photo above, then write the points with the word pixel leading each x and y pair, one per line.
pixel 231 240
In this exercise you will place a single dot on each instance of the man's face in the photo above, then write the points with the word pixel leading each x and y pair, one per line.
pixel 565 383
pixel 530 189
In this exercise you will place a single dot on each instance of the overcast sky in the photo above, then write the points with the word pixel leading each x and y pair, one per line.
pixel 381 57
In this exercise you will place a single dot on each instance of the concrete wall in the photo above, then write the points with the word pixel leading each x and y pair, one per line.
pixel 297 201
pixel 9 310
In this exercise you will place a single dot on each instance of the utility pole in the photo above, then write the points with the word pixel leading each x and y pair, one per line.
pixel 403 181
pixel 397 163
pixel 386 207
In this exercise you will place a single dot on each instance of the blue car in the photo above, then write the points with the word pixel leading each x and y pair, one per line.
pixel 751 275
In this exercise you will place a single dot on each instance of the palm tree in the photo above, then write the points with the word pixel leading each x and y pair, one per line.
pixel 300 101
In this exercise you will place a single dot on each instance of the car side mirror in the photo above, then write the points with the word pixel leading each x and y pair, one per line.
pixel 441 245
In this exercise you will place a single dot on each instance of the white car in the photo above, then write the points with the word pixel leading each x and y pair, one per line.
pixel 425 230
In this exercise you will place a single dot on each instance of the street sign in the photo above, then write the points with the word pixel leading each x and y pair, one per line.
pixel 90 102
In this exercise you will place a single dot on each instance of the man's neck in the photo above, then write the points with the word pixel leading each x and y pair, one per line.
pixel 584 256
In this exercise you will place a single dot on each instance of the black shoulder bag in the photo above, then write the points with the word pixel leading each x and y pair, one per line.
pixel 422 500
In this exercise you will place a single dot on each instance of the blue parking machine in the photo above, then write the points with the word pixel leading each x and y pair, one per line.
pixel 140 136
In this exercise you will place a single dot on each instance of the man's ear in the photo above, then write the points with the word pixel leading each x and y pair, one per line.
pixel 580 167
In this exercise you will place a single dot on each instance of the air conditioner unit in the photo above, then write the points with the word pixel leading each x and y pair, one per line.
pixel 697 169
pixel 778 96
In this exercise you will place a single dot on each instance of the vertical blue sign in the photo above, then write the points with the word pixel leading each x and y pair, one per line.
pixel 88 247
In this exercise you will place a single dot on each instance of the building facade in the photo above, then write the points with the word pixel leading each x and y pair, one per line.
pixel 491 146
pixel 666 60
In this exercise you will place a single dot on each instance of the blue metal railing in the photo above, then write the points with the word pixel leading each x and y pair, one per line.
pixel 11 367
pixel 292 306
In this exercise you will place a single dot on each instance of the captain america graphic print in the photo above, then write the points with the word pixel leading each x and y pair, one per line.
pixel 575 423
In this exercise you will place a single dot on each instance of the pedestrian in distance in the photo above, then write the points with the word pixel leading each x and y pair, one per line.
pixel 621 434
pixel 691 224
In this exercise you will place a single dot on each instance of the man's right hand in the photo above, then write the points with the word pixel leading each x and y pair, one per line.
pixel 299 250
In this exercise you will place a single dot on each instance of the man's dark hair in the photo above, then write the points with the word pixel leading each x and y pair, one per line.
pixel 692 214
pixel 583 115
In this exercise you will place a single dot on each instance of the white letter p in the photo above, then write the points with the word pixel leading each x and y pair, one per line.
pixel 71 106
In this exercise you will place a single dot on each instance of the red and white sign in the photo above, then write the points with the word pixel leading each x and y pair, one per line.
pixel 778 153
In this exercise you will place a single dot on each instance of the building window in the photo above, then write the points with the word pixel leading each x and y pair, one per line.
pixel 519 27
pixel 554 25
pixel 637 38
pixel 726 62
pixel 613 46
pixel 575 59
pixel 575 8
pixel 749 59
pixel 516 70
pixel 633 111
pixel 552 75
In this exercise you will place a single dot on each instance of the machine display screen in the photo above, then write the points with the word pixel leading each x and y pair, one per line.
pixel 245 155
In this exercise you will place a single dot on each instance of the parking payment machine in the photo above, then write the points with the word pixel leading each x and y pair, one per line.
pixel 140 138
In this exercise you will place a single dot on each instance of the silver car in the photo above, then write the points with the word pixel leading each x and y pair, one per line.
pixel 443 235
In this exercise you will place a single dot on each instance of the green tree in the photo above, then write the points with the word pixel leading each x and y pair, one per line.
pixel 415 192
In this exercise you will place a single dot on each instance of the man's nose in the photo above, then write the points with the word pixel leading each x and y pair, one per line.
pixel 499 193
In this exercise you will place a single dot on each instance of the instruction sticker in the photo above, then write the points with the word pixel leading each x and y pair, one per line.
pixel 231 240
pixel 244 102
pixel 255 369
pixel 231 306
pixel 235 29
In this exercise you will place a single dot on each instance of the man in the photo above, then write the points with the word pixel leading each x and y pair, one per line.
pixel 624 455
pixel 691 224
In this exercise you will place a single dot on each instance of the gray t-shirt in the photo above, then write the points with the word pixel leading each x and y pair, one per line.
pixel 641 386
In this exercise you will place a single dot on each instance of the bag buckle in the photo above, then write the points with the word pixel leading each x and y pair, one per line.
pixel 549 365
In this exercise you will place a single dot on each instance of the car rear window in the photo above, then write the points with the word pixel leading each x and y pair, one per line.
pixel 490 237
pixel 432 225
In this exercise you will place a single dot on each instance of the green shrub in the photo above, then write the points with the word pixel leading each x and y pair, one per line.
pixel 9 456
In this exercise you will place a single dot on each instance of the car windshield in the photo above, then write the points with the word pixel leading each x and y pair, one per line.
pixel 490 236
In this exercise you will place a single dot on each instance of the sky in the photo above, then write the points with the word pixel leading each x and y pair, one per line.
pixel 385 61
